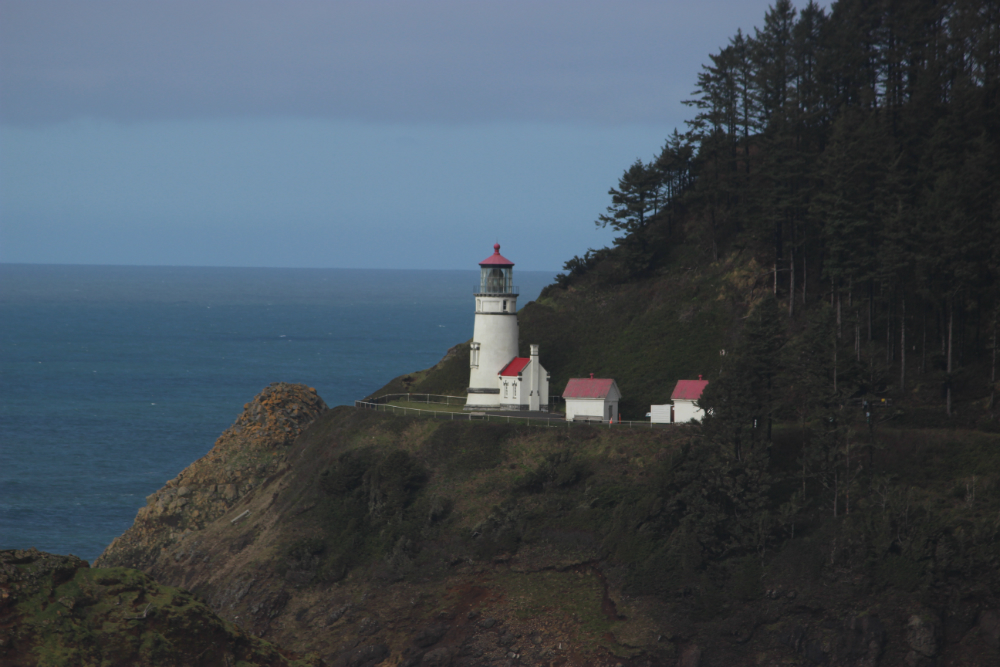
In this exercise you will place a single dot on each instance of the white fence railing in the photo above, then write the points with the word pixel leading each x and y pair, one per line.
pixel 383 404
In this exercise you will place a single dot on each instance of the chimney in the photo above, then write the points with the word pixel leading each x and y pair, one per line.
pixel 699 376
pixel 534 402
pixel 591 376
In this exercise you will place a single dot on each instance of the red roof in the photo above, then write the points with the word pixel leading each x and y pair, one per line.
pixel 515 366
pixel 689 390
pixel 588 388
pixel 496 259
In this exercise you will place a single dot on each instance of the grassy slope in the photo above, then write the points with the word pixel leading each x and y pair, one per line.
pixel 58 612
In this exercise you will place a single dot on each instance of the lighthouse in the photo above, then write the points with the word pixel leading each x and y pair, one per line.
pixel 498 378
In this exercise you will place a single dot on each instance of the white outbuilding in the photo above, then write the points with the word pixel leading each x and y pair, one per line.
pixel 524 384
pixel 684 407
pixel 592 399
pixel 685 397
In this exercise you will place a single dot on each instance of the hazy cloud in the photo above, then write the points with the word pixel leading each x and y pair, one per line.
pixel 377 60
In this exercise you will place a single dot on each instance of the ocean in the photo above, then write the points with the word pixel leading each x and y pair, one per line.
pixel 113 378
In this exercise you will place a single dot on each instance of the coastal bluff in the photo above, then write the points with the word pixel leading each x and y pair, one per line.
pixel 364 538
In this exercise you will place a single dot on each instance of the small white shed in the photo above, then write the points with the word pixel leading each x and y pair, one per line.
pixel 685 397
pixel 661 414
pixel 592 399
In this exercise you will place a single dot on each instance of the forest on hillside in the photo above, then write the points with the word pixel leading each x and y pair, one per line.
pixel 852 157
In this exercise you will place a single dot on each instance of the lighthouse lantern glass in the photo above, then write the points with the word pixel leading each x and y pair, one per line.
pixel 497 280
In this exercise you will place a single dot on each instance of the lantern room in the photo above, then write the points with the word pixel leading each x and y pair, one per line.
pixel 496 274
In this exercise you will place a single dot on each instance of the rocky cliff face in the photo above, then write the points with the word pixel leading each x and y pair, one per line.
pixel 371 539
pixel 245 455
pixel 56 611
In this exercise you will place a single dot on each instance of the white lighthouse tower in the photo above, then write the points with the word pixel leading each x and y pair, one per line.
pixel 494 337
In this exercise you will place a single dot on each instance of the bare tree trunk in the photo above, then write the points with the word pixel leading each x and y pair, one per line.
pixel 993 369
pixel 847 489
pixel 776 277
pixel 805 276
pixel 871 306
pixel 889 358
pixel 791 283
pixel 804 446
pixel 836 491
pixel 951 320
pixel 834 366
pixel 902 345
pixel 839 329
pixel 923 345
pixel 857 336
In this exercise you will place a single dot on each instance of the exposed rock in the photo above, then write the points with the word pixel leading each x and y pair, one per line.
pixel 363 656
pixel 922 635
pixel 439 657
pixel 430 636
pixel 690 656
pixel 989 626
pixel 245 455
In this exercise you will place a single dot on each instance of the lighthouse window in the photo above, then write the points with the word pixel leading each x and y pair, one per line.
pixel 494 280
pixel 505 305
pixel 479 305
pixel 474 355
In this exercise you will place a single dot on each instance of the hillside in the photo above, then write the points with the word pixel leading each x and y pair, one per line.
pixel 374 538
pixel 55 612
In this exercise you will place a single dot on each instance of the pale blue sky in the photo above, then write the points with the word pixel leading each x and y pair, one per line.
pixel 377 134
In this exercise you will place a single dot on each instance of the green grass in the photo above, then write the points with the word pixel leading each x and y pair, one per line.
pixel 431 407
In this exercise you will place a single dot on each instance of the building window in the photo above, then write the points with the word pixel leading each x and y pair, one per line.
pixel 515 390
pixel 505 390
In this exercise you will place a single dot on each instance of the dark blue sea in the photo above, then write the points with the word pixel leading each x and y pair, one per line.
pixel 113 379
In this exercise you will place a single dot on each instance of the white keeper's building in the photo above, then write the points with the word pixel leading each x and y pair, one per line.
pixel 498 378
pixel 592 399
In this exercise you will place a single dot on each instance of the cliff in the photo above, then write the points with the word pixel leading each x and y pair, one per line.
pixel 372 539
pixel 244 456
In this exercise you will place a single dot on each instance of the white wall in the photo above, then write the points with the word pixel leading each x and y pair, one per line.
pixel 685 411
pixel 497 333
pixel 660 414
pixel 595 408
pixel 525 399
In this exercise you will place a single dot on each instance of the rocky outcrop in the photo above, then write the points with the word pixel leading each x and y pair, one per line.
pixel 244 457
pixel 55 610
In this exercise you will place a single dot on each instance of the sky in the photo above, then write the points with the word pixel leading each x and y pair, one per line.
pixel 342 134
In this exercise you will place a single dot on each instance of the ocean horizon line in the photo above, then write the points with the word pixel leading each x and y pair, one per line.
pixel 262 268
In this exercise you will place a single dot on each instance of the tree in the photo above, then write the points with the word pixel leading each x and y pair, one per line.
pixel 636 196
pixel 740 405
